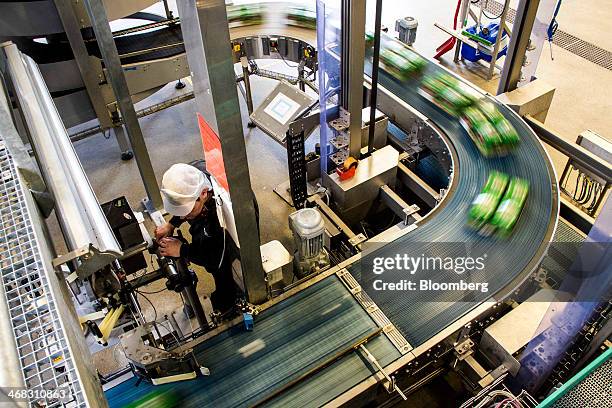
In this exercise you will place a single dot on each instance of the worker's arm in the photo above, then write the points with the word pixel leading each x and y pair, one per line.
pixel 185 250
pixel 176 221
pixel 175 248
pixel 167 229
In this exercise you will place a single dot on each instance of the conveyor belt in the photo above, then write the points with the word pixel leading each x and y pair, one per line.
pixel 288 339
pixel 60 51
pixel 291 327
pixel 421 315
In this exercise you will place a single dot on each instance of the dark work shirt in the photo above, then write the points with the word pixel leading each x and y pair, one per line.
pixel 206 247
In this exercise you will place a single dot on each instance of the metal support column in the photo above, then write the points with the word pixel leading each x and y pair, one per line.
pixel 519 41
pixel 353 55
pixel 206 35
pixel 465 7
pixel 375 62
pixel 124 145
pixel 108 49
pixel 301 77
pixel 244 62
pixel 498 39
pixel 122 141
pixel 169 15
pixel 81 56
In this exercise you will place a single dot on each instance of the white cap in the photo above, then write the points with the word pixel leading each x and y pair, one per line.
pixel 181 186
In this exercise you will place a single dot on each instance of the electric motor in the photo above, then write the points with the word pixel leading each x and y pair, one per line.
pixel 308 228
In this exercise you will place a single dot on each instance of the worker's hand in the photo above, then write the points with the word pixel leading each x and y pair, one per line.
pixel 170 247
pixel 164 231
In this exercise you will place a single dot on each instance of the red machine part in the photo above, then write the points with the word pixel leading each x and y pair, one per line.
pixel 450 43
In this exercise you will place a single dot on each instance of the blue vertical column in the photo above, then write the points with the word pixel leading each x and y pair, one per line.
pixel 328 46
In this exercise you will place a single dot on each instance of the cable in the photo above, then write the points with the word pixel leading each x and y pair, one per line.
pixel 588 192
pixel 488 16
pixel 184 308
pixel 219 203
pixel 554 24
pixel 152 293
pixel 283 58
pixel 151 303
pixel 223 252
pixel 363 229
pixel 162 323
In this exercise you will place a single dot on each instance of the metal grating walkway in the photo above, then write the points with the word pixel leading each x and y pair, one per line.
pixel 568 42
pixel 41 342
pixel 593 391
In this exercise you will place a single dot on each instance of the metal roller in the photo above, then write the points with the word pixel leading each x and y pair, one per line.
pixel 83 224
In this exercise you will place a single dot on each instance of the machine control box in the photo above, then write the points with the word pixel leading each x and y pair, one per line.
pixel 126 228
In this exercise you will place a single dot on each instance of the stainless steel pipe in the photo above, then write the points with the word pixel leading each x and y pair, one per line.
pixel 81 218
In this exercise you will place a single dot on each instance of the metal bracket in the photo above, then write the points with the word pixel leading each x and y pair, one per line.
pixel 306 124
pixel 464 349
pixel 89 259
pixel 441 196
pixel 156 362
pixel 389 381
pixel 399 206
pixel 358 239
pixel 413 209
pixel 374 311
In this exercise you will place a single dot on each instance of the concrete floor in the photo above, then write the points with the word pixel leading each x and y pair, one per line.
pixel 581 102
pixel 581 98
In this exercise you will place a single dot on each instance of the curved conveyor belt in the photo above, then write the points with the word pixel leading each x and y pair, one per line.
pixel 420 315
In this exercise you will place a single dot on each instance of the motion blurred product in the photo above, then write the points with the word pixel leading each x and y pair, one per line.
pixel 447 93
pixel 308 228
pixel 511 206
pixel 244 15
pixel 498 207
pixel 508 134
pixel 484 205
pixel 401 62
pixel 481 131
pixel 490 131
pixel 301 16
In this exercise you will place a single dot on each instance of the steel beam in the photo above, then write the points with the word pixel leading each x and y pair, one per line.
pixel 519 41
pixel 108 49
pixel 579 154
pixel 408 213
pixel 353 55
pixel 374 90
pixel 81 56
pixel 206 35
pixel 418 186
pixel 82 221
pixel 123 143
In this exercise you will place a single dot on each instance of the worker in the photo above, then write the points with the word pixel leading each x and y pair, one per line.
pixel 187 195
